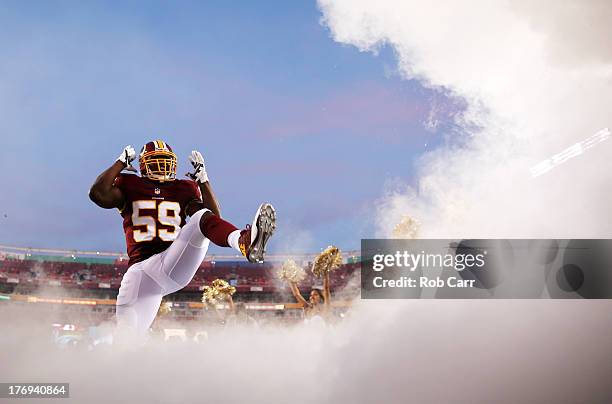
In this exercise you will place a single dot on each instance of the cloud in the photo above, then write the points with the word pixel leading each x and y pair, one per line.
pixel 536 77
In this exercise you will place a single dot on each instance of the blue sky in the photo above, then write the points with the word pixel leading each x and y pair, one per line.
pixel 281 112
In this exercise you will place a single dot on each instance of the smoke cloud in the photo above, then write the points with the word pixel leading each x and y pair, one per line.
pixel 536 77
pixel 410 351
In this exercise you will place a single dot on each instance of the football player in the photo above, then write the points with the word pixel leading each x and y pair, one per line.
pixel 165 250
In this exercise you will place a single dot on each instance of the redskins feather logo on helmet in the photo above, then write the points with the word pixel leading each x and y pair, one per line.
pixel 158 161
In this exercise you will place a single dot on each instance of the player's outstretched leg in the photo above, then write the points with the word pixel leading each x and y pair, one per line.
pixel 250 242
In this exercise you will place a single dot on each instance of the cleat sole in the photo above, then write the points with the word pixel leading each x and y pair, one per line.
pixel 266 225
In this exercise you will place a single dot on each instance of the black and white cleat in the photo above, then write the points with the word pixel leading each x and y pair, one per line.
pixel 255 237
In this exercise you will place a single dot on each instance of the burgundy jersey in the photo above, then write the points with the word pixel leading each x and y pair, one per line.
pixel 153 213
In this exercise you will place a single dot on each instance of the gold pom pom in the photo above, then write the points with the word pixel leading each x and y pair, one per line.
pixel 209 295
pixel 224 288
pixel 219 291
pixel 291 272
pixel 164 308
pixel 408 227
pixel 327 261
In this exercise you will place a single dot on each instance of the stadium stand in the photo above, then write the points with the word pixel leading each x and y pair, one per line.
pixel 71 270
pixel 78 289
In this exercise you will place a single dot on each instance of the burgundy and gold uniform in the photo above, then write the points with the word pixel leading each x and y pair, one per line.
pixel 153 213
pixel 165 250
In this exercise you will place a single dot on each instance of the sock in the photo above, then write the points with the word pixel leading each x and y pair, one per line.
pixel 216 229
pixel 232 240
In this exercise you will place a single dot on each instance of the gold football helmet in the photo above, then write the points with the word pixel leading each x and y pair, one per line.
pixel 158 161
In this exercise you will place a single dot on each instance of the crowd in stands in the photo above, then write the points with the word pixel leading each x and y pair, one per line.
pixel 244 276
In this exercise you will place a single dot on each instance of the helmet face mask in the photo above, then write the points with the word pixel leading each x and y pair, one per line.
pixel 158 162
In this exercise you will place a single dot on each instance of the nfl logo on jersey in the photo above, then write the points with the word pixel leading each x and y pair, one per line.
pixel 157 191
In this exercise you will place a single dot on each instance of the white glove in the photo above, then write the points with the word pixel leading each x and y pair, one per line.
pixel 197 161
pixel 127 155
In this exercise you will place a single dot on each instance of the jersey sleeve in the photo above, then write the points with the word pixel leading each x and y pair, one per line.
pixel 194 193
pixel 122 182
pixel 192 196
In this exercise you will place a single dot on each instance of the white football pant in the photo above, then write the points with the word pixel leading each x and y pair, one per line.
pixel 146 282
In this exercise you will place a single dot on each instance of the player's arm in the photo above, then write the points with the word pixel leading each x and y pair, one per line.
pixel 103 193
pixel 209 200
pixel 296 293
pixel 326 289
